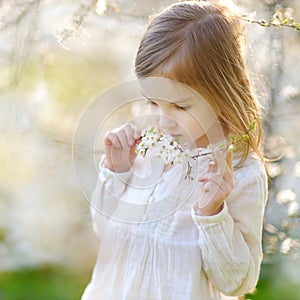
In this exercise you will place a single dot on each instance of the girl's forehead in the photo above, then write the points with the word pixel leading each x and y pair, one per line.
pixel 166 89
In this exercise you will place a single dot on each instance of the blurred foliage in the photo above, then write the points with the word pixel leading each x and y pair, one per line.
pixel 273 284
pixel 56 283
pixel 44 283
pixel 71 84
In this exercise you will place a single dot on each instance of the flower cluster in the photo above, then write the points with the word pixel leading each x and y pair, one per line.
pixel 172 152
pixel 150 138
pixel 168 148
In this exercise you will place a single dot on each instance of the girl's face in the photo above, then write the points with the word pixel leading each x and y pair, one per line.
pixel 179 110
pixel 179 120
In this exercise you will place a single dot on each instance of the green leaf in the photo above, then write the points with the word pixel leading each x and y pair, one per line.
pixel 231 147
pixel 151 130
pixel 233 138
pixel 245 137
pixel 263 22
pixel 222 147
pixel 285 21
pixel 251 126
pixel 294 215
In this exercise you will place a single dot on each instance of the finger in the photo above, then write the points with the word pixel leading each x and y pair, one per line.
pixel 129 132
pixel 228 175
pixel 230 180
pixel 220 167
pixel 229 158
pixel 224 189
pixel 208 187
pixel 220 159
pixel 111 139
pixel 217 179
pixel 220 189
pixel 212 165
pixel 136 133
pixel 121 135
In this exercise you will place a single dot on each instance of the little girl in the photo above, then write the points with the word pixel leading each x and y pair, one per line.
pixel 201 236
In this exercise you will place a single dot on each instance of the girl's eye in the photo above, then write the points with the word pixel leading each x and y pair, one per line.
pixel 182 107
pixel 152 103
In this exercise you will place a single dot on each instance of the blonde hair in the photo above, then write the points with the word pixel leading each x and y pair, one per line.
pixel 201 44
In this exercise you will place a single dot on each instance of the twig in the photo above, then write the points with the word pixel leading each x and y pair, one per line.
pixel 276 21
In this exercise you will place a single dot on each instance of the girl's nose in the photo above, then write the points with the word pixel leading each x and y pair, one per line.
pixel 166 121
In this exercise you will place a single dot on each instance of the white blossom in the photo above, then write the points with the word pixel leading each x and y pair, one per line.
pixel 169 149
pixel 285 196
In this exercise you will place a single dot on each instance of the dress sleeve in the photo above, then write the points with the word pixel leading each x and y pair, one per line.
pixel 109 188
pixel 231 241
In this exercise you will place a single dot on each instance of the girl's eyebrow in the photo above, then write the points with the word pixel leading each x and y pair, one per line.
pixel 177 102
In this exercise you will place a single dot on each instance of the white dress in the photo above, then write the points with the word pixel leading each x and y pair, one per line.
pixel 154 247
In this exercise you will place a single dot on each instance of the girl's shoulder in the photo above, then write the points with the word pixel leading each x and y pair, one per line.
pixel 251 181
pixel 252 169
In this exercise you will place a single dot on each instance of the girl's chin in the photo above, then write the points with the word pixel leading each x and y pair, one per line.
pixel 194 144
pixel 201 142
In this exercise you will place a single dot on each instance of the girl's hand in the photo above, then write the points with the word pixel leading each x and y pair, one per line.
pixel 119 147
pixel 218 183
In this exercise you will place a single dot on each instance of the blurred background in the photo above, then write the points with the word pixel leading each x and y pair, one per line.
pixel 56 57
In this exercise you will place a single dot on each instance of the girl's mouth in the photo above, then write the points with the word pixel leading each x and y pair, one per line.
pixel 176 135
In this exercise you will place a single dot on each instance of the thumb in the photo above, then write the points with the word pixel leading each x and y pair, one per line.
pixel 229 158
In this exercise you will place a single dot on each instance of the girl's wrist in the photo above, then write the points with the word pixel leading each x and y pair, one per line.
pixel 209 211
pixel 113 168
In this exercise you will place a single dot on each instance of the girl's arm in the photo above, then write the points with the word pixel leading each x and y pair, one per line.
pixel 114 173
pixel 105 197
pixel 231 240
